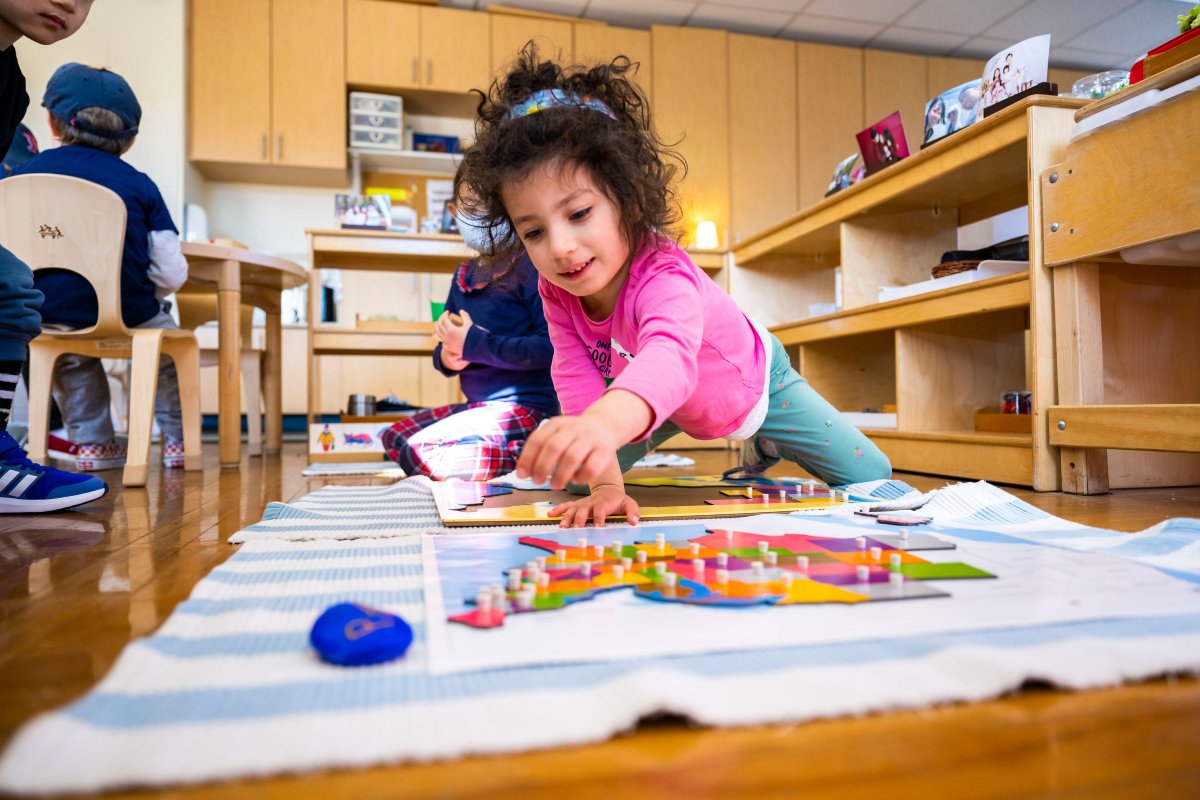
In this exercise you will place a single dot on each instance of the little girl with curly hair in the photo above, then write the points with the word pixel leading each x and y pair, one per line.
pixel 567 166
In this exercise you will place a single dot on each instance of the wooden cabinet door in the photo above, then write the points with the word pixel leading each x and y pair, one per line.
pixel 454 50
pixel 600 44
pixel 510 33
pixel 829 93
pixel 383 44
pixel 308 86
pixel 230 81
pixel 691 100
pixel 762 135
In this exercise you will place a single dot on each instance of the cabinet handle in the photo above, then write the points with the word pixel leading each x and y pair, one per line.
pixel 415 75
pixel 429 72
pixel 264 146
pixel 279 147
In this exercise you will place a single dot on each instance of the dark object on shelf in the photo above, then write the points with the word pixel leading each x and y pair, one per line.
pixel 360 405
pixel 1045 87
pixel 955 261
pixel 390 406
pixel 434 143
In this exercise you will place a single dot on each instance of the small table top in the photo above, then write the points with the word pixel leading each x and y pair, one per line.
pixel 258 269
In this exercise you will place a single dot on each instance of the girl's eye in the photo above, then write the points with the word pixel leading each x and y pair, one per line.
pixel 580 214
pixel 531 234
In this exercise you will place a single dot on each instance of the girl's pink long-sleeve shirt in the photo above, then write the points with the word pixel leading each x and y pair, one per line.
pixel 675 339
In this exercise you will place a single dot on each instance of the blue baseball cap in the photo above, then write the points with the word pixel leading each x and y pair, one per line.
pixel 77 86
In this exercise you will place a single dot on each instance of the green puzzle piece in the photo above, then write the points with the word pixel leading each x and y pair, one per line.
pixel 929 571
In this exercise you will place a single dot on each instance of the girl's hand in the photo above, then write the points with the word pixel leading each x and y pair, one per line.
pixel 453 361
pixel 450 333
pixel 603 501
pixel 567 449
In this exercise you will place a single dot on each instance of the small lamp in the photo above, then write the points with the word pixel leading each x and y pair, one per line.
pixel 706 235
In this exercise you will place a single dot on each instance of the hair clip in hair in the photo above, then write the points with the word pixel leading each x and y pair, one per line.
pixel 557 98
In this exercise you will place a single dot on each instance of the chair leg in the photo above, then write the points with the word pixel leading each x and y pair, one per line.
pixel 42 357
pixel 252 399
pixel 186 355
pixel 143 384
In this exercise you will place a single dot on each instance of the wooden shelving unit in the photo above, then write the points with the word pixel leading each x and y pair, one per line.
pixel 1122 215
pixel 938 356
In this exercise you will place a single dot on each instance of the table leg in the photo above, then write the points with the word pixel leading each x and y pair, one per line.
pixel 229 375
pixel 273 381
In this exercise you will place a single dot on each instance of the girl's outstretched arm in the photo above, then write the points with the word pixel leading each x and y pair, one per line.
pixel 582 449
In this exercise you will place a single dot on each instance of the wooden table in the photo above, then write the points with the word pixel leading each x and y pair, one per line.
pixel 243 276
pixel 1126 377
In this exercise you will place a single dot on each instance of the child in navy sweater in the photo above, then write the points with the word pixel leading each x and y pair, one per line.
pixel 95 115
pixel 493 336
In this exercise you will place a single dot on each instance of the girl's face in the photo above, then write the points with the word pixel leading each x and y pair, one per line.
pixel 572 232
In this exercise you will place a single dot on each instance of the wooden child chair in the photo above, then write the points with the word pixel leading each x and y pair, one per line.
pixel 53 221
pixel 197 309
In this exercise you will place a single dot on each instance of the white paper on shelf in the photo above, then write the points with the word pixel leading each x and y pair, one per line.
pixel 868 419
pixel 985 270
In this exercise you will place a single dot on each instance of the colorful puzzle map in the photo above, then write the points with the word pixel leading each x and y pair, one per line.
pixel 720 568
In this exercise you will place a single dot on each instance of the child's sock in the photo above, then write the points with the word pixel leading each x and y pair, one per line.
pixel 10 373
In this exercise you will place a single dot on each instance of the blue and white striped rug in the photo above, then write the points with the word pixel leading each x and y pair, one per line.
pixel 229 688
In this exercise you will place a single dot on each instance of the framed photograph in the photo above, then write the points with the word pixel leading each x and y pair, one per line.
pixel 883 143
pixel 365 212
pixel 952 110
pixel 849 172
pixel 449 223
pixel 1015 69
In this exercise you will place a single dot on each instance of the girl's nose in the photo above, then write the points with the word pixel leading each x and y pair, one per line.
pixel 562 244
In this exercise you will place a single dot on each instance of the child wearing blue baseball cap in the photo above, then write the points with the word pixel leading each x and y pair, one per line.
pixel 26 487
pixel 95 115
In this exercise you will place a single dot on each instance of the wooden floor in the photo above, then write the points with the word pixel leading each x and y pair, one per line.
pixel 76 587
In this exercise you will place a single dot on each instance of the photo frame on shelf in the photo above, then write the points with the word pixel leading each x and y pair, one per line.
pixel 1016 72
pixel 363 212
pixel 952 110
pixel 849 171
pixel 883 143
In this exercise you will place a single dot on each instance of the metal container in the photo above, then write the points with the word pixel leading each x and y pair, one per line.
pixel 360 405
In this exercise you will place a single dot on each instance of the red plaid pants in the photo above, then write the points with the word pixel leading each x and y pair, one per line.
pixel 471 441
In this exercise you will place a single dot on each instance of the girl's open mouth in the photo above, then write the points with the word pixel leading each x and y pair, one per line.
pixel 578 272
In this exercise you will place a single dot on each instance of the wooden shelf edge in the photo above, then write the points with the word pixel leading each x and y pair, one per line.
pixel 993 294
pixel 1161 427
pixel 998 458
pixel 1023 440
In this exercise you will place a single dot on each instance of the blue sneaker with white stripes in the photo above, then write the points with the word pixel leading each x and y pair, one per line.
pixel 29 488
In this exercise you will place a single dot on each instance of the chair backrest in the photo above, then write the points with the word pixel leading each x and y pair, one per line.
pixel 51 221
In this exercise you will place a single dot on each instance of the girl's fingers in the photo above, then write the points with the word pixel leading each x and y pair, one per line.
pixel 567 467
pixel 527 461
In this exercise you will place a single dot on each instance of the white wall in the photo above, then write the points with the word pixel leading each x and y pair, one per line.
pixel 143 41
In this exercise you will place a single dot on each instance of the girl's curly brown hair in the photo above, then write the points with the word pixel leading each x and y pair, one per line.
pixel 626 157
